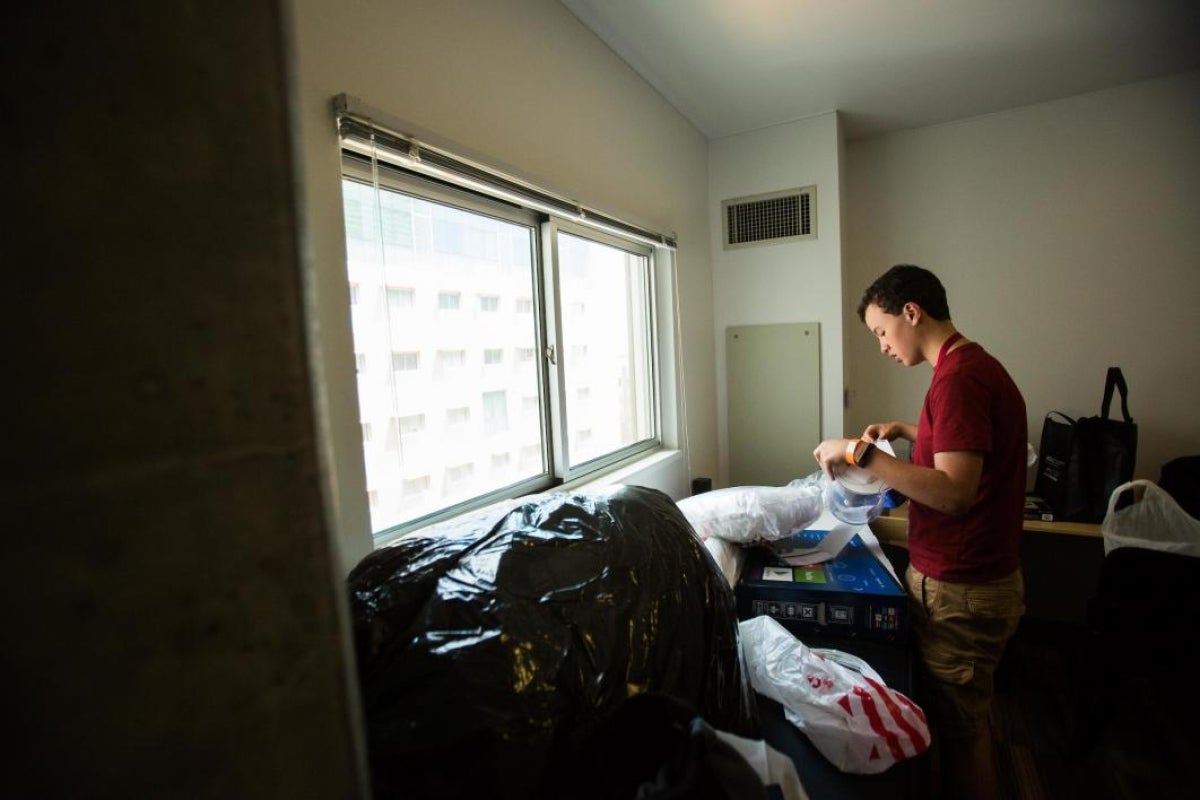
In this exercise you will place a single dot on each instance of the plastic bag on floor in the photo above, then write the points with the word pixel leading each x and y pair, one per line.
pixel 844 707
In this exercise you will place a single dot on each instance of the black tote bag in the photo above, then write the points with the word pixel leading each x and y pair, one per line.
pixel 1082 461
pixel 1059 478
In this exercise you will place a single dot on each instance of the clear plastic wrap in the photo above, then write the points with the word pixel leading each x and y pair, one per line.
pixel 747 514
pixel 490 650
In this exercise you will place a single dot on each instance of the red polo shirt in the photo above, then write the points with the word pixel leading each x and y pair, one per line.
pixel 972 404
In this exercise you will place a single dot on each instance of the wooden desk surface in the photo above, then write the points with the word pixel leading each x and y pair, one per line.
pixel 892 527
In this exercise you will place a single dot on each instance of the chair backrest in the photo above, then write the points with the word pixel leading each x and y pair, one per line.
pixel 1146 593
pixel 1181 479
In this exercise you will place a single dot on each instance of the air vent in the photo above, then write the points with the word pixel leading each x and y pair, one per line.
pixel 770 218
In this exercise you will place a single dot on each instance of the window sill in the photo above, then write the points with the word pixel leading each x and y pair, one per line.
pixel 665 470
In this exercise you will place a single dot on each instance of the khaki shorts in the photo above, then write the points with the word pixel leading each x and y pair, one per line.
pixel 960 631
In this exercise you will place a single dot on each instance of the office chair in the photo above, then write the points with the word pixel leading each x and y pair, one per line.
pixel 1141 621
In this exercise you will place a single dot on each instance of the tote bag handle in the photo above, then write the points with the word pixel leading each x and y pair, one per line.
pixel 1116 379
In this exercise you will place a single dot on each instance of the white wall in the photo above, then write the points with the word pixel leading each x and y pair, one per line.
pixel 522 82
pixel 1067 236
pixel 1064 231
pixel 791 282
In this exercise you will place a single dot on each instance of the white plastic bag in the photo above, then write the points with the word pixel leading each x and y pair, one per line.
pixel 745 514
pixel 851 716
pixel 773 767
pixel 1153 521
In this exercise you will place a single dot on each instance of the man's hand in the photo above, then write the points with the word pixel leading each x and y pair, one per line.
pixel 831 455
pixel 889 431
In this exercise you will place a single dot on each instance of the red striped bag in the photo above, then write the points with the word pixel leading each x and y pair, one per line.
pixel 851 716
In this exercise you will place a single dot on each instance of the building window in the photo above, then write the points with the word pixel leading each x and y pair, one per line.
pixel 413 423
pixel 355 225
pixel 448 361
pixel 492 253
pixel 459 473
pixel 399 297
pixel 495 412
pixel 449 230
pixel 406 361
pixel 410 486
pixel 396 216
pixel 400 431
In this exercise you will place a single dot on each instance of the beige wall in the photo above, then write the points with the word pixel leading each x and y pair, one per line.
pixel 1066 234
pixel 526 85
pixel 1063 231
pixel 777 283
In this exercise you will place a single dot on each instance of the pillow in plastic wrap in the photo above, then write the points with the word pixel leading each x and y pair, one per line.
pixel 748 514
pixel 489 650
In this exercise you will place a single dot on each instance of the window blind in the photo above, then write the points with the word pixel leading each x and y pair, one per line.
pixel 362 132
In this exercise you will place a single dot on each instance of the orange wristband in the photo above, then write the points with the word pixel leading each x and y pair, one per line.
pixel 851 447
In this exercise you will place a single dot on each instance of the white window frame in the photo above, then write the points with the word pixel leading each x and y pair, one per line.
pixel 560 402
pixel 555 407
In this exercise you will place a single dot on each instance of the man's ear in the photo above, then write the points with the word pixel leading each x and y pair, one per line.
pixel 912 313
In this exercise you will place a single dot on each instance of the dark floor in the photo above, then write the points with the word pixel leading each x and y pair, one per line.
pixel 1061 731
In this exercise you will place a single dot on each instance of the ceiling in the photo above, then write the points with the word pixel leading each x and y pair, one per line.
pixel 736 65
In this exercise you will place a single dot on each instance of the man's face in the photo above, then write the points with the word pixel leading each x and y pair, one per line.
pixel 895 335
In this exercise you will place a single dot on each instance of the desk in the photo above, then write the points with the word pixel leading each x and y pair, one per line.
pixel 892 527
pixel 1060 561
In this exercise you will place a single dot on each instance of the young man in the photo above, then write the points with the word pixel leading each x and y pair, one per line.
pixel 966 487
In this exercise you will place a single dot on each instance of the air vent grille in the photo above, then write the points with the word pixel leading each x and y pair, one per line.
pixel 770 218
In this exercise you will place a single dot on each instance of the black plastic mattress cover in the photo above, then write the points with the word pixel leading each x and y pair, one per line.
pixel 490 649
